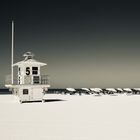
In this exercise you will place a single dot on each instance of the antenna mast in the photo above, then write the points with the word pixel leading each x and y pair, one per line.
pixel 12 53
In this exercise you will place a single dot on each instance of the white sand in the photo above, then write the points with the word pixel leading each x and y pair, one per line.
pixel 77 118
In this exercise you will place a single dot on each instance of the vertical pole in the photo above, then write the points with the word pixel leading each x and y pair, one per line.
pixel 12 53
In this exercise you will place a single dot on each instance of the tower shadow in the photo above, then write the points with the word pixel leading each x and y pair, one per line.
pixel 45 101
pixel 53 100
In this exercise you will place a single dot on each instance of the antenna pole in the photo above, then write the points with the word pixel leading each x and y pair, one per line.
pixel 12 53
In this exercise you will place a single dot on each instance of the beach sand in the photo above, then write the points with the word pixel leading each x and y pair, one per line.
pixel 71 117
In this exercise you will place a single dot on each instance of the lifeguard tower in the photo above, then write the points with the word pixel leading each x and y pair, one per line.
pixel 28 83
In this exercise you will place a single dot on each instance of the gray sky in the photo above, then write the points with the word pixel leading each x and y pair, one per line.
pixel 84 44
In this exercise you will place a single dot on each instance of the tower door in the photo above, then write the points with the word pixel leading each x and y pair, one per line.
pixel 27 80
pixel 37 93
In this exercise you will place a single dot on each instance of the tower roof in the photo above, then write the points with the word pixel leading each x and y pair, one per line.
pixel 28 55
pixel 29 60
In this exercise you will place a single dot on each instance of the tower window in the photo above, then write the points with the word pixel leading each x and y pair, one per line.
pixel 35 70
pixel 25 91
pixel 19 71
pixel 36 79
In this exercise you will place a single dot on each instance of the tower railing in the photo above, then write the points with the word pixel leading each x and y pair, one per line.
pixel 43 79
pixel 8 80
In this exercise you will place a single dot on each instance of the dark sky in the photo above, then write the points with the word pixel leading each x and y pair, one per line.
pixel 85 44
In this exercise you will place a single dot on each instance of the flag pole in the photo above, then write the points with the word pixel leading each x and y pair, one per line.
pixel 12 54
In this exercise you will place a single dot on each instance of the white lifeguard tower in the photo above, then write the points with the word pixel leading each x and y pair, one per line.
pixel 29 84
